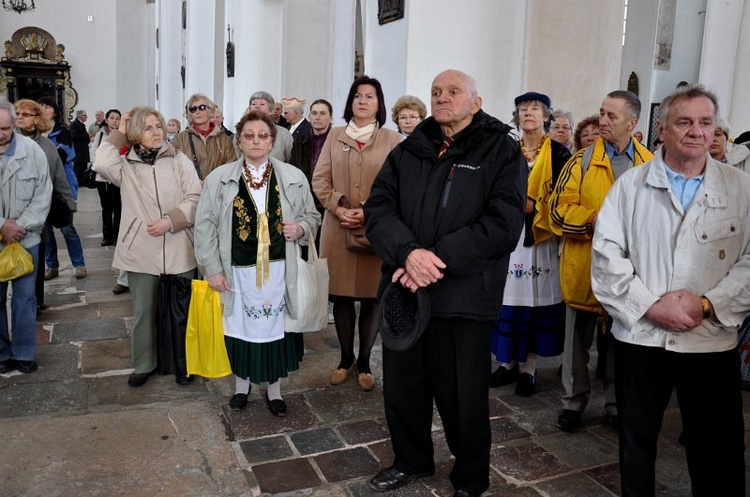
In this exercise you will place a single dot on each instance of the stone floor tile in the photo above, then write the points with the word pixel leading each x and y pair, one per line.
pixel 364 431
pixel 256 421
pixel 573 485
pixel 525 461
pixel 114 391
pixel 58 362
pixel 581 449
pixel 105 355
pixel 43 334
pixel 347 464
pixel 504 429
pixel 499 408
pixel 346 403
pixel 90 329
pixel 266 449
pixel 513 492
pixel 316 440
pixel 412 489
pixel 26 400
pixel 285 476
pixel 523 403
pixel 539 423
pixel 607 476
pixel 383 452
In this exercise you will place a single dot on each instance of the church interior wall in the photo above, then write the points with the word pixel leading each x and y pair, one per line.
pixel 639 52
pixel 738 111
pixel 575 53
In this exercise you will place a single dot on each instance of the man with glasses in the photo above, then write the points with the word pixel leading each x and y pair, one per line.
pixel 203 141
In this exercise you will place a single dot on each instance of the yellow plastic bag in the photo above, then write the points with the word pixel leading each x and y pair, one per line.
pixel 205 350
pixel 15 261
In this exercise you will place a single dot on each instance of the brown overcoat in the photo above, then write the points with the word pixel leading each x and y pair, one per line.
pixel 352 274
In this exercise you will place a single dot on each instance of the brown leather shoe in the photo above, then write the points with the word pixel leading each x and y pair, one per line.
pixel 119 289
pixel 340 375
pixel 52 272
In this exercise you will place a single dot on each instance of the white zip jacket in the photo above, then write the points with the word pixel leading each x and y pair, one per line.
pixel 645 245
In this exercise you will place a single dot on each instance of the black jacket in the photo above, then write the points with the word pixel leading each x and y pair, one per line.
pixel 466 207
pixel 80 140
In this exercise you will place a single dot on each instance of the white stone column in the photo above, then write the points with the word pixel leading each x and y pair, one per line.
pixel 200 53
pixel 171 97
pixel 720 45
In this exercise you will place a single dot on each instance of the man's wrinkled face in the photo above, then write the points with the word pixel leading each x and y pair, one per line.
pixel 6 127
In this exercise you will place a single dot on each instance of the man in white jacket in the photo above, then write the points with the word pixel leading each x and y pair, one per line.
pixel 671 265
pixel 25 196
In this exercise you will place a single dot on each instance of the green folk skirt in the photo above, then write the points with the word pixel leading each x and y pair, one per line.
pixel 265 362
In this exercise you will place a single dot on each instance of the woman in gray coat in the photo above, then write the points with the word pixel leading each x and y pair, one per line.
pixel 251 215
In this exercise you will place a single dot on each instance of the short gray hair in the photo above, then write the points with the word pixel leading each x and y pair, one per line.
pixel 685 92
pixel 81 113
pixel 6 105
pixel 262 95
pixel 566 115
pixel 632 102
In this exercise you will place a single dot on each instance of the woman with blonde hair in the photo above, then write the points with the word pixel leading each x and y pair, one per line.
pixel 160 191
pixel 407 112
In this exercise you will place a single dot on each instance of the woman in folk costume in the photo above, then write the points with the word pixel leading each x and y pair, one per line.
pixel 251 214
pixel 531 322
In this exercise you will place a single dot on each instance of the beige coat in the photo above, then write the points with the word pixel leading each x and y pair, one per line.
pixel 211 152
pixel 352 274
pixel 170 188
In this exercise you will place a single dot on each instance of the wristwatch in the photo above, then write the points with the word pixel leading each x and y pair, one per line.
pixel 706 305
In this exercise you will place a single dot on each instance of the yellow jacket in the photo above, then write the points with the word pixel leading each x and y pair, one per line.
pixel 573 209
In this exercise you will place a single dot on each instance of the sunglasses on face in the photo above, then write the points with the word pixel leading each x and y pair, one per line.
pixel 262 136
pixel 196 108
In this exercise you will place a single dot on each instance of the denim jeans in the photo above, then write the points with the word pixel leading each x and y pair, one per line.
pixel 22 346
pixel 72 240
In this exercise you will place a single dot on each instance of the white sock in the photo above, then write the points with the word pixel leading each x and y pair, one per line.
pixel 241 385
pixel 530 365
pixel 274 390
pixel 508 365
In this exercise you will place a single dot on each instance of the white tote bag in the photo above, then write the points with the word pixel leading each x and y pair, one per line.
pixel 312 292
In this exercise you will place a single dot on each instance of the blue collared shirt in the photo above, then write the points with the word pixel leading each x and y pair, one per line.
pixel 11 150
pixel 682 188
pixel 629 150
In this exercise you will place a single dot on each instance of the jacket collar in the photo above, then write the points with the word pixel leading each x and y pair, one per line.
pixel 713 188
pixel 166 150
pixel 231 174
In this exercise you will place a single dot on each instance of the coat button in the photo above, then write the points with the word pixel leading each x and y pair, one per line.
pixel 671 342
pixel 731 229
pixel 704 236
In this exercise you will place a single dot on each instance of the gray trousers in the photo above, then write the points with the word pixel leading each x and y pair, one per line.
pixel 580 327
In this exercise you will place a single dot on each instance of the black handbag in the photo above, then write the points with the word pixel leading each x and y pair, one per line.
pixel 89 177
pixel 60 214
pixel 172 304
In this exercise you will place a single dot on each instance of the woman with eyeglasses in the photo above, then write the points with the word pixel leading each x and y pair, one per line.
pixel 252 215
pixel 531 321
pixel 109 194
pixel 63 140
pixel 407 112
pixel 160 192
pixel 30 121
pixel 347 166
pixel 202 141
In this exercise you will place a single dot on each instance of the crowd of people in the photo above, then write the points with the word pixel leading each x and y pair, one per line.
pixel 534 238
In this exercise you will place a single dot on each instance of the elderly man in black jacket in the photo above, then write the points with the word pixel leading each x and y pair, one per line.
pixel 444 214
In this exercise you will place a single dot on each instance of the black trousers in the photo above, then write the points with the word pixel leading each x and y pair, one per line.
pixel 109 199
pixel 710 401
pixel 450 364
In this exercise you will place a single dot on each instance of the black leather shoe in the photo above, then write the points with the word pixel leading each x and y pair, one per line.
pixel 391 479
pixel 107 243
pixel 7 366
pixel 183 380
pixel 26 366
pixel 569 420
pixel 464 493
pixel 138 379
pixel 613 420
pixel 276 406
pixel 238 401
pixel 503 376
pixel 526 385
